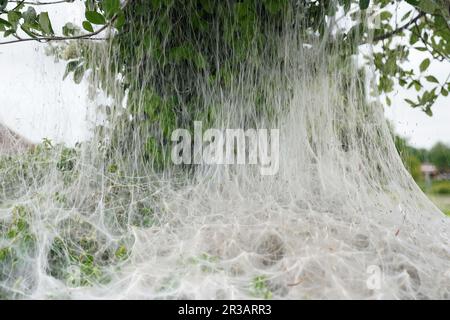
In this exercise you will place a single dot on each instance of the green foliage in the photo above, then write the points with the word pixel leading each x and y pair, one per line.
pixel 441 187
pixel 173 51
pixel 177 42
pixel 405 150
pixel 69 29
pixel 121 253
pixel 426 26
pixel 412 163
pixel 24 168
pixel 88 26
pixel 67 160
pixel 95 17
pixel 424 65
pixel 3 4
pixel 439 155
pixel 260 288
pixel 205 261
pixel 45 24
pixel 364 4
pixel 145 216
pixel 18 241
pixel 111 7
pixel 81 255
pixel 5 253
pixel 25 18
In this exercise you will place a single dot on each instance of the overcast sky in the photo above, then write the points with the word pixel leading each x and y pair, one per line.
pixel 35 101
pixel 422 130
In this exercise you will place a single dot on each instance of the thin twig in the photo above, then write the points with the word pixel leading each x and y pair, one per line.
pixel 427 45
pixel 19 3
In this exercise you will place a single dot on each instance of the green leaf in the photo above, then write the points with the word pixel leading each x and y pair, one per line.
pixel 9 32
pixel 78 74
pixel 88 26
pixel 385 15
pixel 347 5
pixel 406 15
pixel 273 6
pixel 121 253
pixel 69 29
pixel 440 22
pixel 388 101
pixel 14 17
pixel 424 65
pixel 413 38
pixel 111 7
pixel 444 92
pixel 207 6
pixel 70 67
pixel 417 85
pixel 95 17
pixel 45 23
pixel 120 20
pixel 27 30
pixel 412 103
pixel 413 2
pixel 29 15
pixel 182 52
pixel 364 4
pixel 3 4
pixel 432 79
pixel 4 22
pixel 428 6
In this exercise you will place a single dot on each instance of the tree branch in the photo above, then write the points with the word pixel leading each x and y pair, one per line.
pixel 87 36
pixel 400 29
pixel 40 3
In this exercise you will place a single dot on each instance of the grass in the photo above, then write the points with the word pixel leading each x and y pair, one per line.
pixel 441 188
pixel 441 201
pixel 439 194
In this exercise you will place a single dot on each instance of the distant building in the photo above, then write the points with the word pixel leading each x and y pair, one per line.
pixel 11 142
pixel 428 169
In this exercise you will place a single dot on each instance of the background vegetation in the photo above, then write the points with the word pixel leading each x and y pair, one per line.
pixel 438 185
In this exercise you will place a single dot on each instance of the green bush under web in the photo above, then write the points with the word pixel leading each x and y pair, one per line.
pixel 113 218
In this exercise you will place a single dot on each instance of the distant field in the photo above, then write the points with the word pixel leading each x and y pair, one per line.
pixel 442 201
